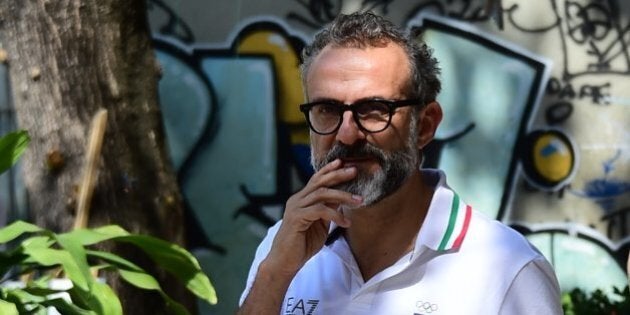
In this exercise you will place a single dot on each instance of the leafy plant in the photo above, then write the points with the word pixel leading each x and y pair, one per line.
pixel 577 302
pixel 42 254
pixel 12 146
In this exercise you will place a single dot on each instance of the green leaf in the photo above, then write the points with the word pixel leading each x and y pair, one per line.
pixel 20 298
pixel 12 146
pixel 145 281
pixel 141 280
pixel 73 246
pixel 88 237
pixel 178 262
pixel 15 229
pixel 17 257
pixel 104 300
pixel 67 308
pixel 53 257
pixel 8 308
pixel 40 291
pixel 114 259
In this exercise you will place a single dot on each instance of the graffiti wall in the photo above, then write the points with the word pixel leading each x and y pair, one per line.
pixel 536 130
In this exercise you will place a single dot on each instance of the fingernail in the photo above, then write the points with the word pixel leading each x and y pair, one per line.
pixel 357 197
pixel 349 169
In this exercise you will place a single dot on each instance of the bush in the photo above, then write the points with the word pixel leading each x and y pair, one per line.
pixel 42 255
pixel 577 302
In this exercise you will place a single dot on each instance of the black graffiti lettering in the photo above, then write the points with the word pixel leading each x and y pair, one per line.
pixel 595 27
pixel 175 26
pixel 567 92
pixel 590 22
pixel 554 86
pixel 597 92
pixel 558 112
pixel 512 10
pixel 465 10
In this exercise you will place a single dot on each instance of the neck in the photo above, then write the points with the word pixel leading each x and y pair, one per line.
pixel 382 233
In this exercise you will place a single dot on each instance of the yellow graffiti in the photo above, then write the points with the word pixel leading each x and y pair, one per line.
pixel 286 66
pixel 553 158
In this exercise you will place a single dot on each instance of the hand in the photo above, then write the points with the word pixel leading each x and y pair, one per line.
pixel 307 218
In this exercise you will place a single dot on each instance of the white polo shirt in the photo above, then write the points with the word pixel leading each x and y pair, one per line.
pixel 462 263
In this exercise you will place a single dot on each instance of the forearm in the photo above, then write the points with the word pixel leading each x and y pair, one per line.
pixel 267 292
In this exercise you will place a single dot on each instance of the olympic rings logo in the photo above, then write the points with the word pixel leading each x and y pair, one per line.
pixel 426 307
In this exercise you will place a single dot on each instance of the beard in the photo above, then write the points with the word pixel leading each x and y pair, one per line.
pixel 395 167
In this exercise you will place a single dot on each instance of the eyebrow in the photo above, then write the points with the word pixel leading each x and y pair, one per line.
pixel 363 99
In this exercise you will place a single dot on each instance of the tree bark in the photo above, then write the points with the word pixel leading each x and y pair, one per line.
pixel 66 60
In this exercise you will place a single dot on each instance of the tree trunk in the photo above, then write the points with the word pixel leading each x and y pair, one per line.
pixel 66 60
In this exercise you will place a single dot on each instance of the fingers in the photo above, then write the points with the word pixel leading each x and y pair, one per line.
pixel 330 175
pixel 317 201
pixel 308 214
pixel 318 190
pixel 325 213
pixel 321 204
pixel 330 197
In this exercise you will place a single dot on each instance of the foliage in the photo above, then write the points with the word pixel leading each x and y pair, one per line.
pixel 11 147
pixel 577 302
pixel 42 255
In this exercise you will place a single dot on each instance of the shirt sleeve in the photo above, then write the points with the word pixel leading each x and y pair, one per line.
pixel 261 252
pixel 535 290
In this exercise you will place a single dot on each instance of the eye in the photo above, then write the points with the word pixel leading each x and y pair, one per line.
pixel 325 109
pixel 372 109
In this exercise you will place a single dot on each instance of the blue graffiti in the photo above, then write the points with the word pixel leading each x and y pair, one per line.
pixel 605 191
pixel 549 149
pixel 609 165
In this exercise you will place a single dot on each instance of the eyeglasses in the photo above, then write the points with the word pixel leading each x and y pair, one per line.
pixel 325 117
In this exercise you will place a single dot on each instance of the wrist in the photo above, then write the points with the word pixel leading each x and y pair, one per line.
pixel 276 273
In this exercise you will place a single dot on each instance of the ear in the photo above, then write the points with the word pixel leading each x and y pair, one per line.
pixel 430 118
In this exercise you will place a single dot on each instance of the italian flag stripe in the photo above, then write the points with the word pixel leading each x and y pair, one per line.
pixel 458 222
pixel 462 233
pixel 451 222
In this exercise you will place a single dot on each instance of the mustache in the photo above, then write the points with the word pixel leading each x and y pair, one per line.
pixel 363 150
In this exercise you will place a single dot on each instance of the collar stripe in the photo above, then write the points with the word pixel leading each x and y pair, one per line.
pixel 451 222
pixel 462 233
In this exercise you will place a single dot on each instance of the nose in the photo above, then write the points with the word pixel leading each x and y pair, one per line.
pixel 349 131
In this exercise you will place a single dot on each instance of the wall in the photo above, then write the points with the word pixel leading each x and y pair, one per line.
pixel 536 133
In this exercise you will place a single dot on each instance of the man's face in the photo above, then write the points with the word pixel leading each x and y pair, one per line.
pixel 383 159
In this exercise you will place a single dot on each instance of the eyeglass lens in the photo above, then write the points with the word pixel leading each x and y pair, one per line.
pixel 373 116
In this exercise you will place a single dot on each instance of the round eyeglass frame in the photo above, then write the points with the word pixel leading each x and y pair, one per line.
pixel 342 107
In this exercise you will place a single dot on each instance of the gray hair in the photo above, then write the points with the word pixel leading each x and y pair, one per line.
pixel 366 29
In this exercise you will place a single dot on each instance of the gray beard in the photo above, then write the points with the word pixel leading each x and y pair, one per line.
pixel 395 167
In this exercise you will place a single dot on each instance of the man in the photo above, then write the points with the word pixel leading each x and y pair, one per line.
pixel 372 232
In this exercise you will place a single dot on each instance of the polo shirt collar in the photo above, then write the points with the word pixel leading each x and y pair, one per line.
pixel 446 223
